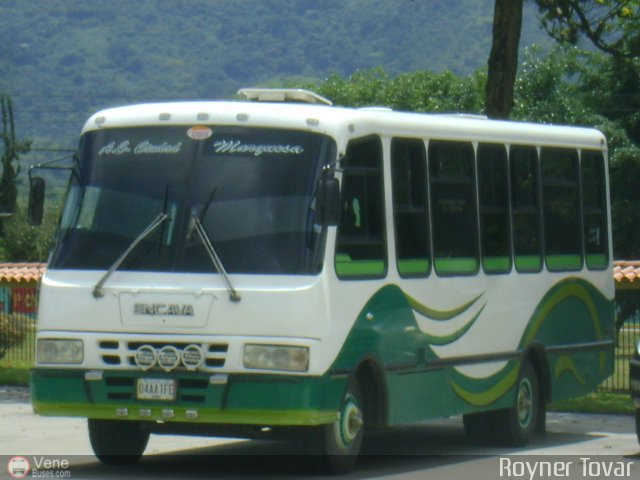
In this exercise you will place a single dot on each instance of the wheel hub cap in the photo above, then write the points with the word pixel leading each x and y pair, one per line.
pixel 350 421
pixel 525 403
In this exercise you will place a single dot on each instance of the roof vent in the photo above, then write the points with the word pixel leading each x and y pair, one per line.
pixel 283 95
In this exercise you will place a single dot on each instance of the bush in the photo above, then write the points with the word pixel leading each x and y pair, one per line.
pixel 13 330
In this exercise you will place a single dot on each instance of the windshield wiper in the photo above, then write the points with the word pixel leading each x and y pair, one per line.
pixel 159 220
pixel 206 241
pixel 200 216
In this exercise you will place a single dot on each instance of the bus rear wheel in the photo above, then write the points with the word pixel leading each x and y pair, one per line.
pixel 338 444
pixel 516 426
pixel 117 442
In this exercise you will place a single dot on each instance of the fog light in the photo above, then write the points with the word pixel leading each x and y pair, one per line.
pixel 276 357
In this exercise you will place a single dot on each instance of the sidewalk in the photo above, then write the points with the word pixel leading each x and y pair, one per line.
pixel 14 394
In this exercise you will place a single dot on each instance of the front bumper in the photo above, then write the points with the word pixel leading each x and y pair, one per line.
pixel 269 400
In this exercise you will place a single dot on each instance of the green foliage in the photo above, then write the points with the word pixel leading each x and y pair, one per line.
pixel 22 242
pixel 610 25
pixel 625 202
pixel 13 331
pixel 611 88
pixel 545 91
pixel 420 91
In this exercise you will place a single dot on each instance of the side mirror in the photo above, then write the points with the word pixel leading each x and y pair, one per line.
pixel 36 200
pixel 328 200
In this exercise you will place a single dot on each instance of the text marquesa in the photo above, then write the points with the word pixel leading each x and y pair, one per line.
pixel 236 146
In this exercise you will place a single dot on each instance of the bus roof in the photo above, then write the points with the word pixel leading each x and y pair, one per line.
pixel 345 123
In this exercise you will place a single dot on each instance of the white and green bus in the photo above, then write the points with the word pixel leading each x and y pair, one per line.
pixel 280 265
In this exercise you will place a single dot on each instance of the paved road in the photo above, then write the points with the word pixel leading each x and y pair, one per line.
pixel 437 450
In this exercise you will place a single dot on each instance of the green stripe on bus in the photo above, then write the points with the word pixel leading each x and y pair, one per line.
pixel 597 261
pixel 489 395
pixel 447 339
pixel 452 266
pixel 565 364
pixel 434 314
pixel 564 262
pixel 496 264
pixel 414 266
pixel 346 267
pixel 528 263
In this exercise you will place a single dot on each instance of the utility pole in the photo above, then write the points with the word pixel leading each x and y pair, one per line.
pixel 12 150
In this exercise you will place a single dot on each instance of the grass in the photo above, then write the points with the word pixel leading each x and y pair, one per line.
pixel 14 372
pixel 597 402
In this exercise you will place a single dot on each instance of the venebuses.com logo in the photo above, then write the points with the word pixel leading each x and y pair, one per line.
pixel 18 467
pixel 38 467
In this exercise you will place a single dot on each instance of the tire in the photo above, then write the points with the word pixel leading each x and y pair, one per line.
pixel 479 427
pixel 516 426
pixel 117 442
pixel 541 427
pixel 337 445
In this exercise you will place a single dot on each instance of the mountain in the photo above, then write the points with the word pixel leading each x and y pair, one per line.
pixel 64 59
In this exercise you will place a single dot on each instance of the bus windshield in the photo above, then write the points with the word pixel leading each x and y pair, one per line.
pixel 252 189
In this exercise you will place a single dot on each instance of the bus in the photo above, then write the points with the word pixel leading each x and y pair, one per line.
pixel 281 266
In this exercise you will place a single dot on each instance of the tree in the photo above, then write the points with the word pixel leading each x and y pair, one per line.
pixel 610 25
pixel 503 59
pixel 612 87
pixel 12 150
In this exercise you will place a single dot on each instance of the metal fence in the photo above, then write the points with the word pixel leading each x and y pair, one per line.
pixel 626 342
pixel 18 306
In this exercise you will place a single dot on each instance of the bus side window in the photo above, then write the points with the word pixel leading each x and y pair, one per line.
pixel 453 207
pixel 361 245
pixel 525 209
pixel 594 207
pixel 561 209
pixel 410 214
pixel 493 185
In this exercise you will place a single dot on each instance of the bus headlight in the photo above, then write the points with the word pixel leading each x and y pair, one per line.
pixel 276 357
pixel 59 351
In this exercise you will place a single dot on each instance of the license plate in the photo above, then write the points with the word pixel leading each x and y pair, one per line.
pixel 156 389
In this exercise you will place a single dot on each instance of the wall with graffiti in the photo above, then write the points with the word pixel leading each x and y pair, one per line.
pixel 20 300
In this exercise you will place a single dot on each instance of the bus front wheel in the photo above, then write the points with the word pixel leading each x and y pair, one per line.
pixel 338 444
pixel 516 426
pixel 117 442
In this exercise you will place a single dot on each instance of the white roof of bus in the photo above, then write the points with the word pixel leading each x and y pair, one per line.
pixel 344 123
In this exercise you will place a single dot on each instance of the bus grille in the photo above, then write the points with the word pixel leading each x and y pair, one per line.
pixel 122 354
